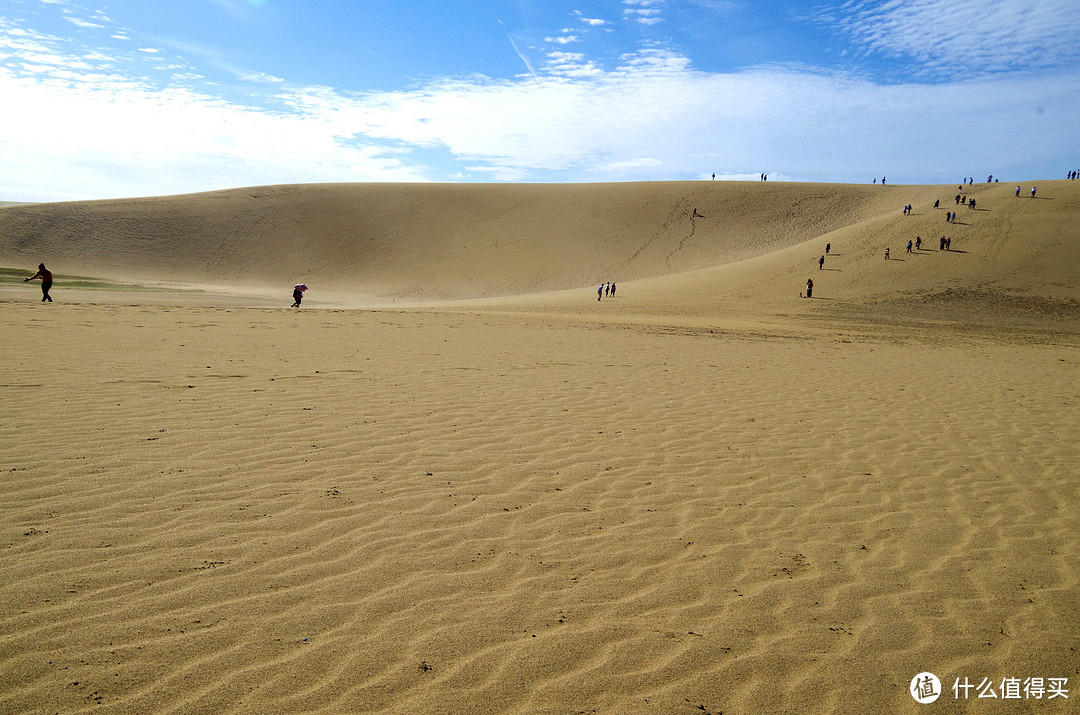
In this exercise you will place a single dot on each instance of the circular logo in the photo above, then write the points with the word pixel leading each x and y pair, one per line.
pixel 925 688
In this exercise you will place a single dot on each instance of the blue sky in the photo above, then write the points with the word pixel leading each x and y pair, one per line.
pixel 140 97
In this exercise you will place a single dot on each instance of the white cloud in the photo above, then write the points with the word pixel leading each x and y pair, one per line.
pixel 79 22
pixel 260 77
pixel 631 164
pixel 571 65
pixel 645 12
pixel 966 38
pixel 563 39
pixel 811 125
pixel 108 136
pixel 590 21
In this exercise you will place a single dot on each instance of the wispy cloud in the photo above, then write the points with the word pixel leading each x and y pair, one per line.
pixel 964 38
pixel 645 12
pixel 260 77
pixel 79 22
pixel 522 57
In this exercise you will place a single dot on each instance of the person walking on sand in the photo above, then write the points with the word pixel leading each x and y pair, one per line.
pixel 612 290
pixel 909 246
pixel 600 292
pixel 46 281
pixel 809 287
pixel 298 294
pixel 1032 192
pixel 828 247
pixel 1018 190
pixel 821 263
pixel 886 254
pixel 918 243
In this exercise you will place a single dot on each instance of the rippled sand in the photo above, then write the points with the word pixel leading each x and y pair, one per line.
pixel 702 495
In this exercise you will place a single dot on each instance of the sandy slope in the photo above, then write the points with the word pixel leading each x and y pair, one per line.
pixel 703 495
pixel 372 243
pixel 436 241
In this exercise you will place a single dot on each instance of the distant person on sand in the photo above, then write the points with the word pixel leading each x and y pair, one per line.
pixel 612 290
pixel 1032 192
pixel 828 247
pixel 918 243
pixel 937 203
pixel 1018 189
pixel 46 281
pixel 607 289
pixel 809 287
pixel 886 254
pixel 600 292
pixel 821 263
pixel 298 294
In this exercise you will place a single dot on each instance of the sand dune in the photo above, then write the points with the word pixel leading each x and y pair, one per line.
pixel 426 242
pixel 703 495
pixel 438 241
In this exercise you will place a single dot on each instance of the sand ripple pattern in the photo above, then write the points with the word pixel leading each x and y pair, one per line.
pixel 210 510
